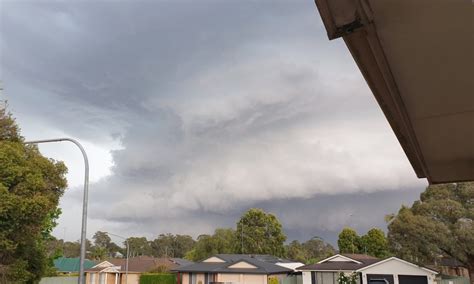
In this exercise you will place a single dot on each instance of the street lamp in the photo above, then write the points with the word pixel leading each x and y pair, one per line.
pixel 84 202
pixel 126 262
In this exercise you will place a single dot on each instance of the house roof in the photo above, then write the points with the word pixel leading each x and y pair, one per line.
pixel 264 264
pixel 66 264
pixel 136 264
pixel 181 261
pixel 358 261
pixel 419 71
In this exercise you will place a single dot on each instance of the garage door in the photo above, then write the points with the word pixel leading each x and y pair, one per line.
pixel 412 279
pixel 380 279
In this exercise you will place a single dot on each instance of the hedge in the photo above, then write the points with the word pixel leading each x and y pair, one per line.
pixel 158 278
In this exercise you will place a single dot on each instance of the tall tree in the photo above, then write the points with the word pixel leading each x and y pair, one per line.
pixel 138 246
pixel 171 245
pixel 259 232
pixel 222 241
pixel 295 251
pixel 104 245
pixel 440 223
pixel 349 241
pixel 375 243
pixel 317 249
pixel 182 244
pixel 30 188
pixel 101 239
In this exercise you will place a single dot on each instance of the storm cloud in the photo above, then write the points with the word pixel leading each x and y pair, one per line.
pixel 202 109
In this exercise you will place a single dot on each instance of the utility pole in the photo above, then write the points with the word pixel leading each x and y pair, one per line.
pixel 84 200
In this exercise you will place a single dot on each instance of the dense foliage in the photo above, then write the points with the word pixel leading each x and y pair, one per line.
pixel 30 188
pixel 373 243
pixel 223 240
pixel 260 233
pixel 310 251
pixel 158 278
pixel 441 223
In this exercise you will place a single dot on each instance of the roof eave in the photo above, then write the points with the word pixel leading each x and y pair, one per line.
pixel 352 20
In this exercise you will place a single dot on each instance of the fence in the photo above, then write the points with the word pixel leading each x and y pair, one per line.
pixel 454 280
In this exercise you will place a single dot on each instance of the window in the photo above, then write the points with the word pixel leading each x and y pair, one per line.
pixel 326 277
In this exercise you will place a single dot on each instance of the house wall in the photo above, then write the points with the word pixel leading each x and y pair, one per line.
pixel 242 264
pixel 306 277
pixel 184 278
pixel 88 278
pixel 133 278
pixel 213 259
pixel 228 277
pixel 396 268
pixel 199 277
pixel 243 278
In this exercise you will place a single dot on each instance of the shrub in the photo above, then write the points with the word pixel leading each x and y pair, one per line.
pixel 158 278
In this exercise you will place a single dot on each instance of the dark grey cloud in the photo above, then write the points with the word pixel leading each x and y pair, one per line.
pixel 218 106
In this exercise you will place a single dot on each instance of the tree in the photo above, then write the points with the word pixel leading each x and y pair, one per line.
pixel 259 232
pixel 310 251
pixel 169 245
pixel 103 244
pixel 375 243
pixel 440 223
pixel 316 249
pixel 295 251
pixel 101 239
pixel 222 241
pixel 30 188
pixel 349 241
pixel 138 246
pixel 347 279
pixel 182 244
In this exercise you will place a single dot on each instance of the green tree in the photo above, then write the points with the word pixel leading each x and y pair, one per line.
pixel 295 251
pixel 30 188
pixel 163 245
pixel 138 246
pixel 103 243
pixel 347 279
pixel 98 253
pixel 349 241
pixel 374 243
pixel 259 232
pixel 440 223
pixel 222 241
pixel 101 239
pixel 171 245
pixel 316 249
pixel 182 244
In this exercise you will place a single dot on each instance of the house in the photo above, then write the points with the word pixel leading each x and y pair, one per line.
pixel 369 270
pixel 237 268
pixel 113 271
pixel 67 265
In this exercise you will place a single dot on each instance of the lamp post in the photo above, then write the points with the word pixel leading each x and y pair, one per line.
pixel 126 262
pixel 84 202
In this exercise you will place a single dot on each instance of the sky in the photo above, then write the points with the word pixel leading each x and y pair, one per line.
pixel 192 112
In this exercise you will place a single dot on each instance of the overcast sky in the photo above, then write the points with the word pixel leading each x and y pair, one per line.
pixel 194 111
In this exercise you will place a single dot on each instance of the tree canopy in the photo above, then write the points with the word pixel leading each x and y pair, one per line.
pixel 349 241
pixel 310 251
pixel 30 188
pixel 259 232
pixel 440 223
pixel 373 243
